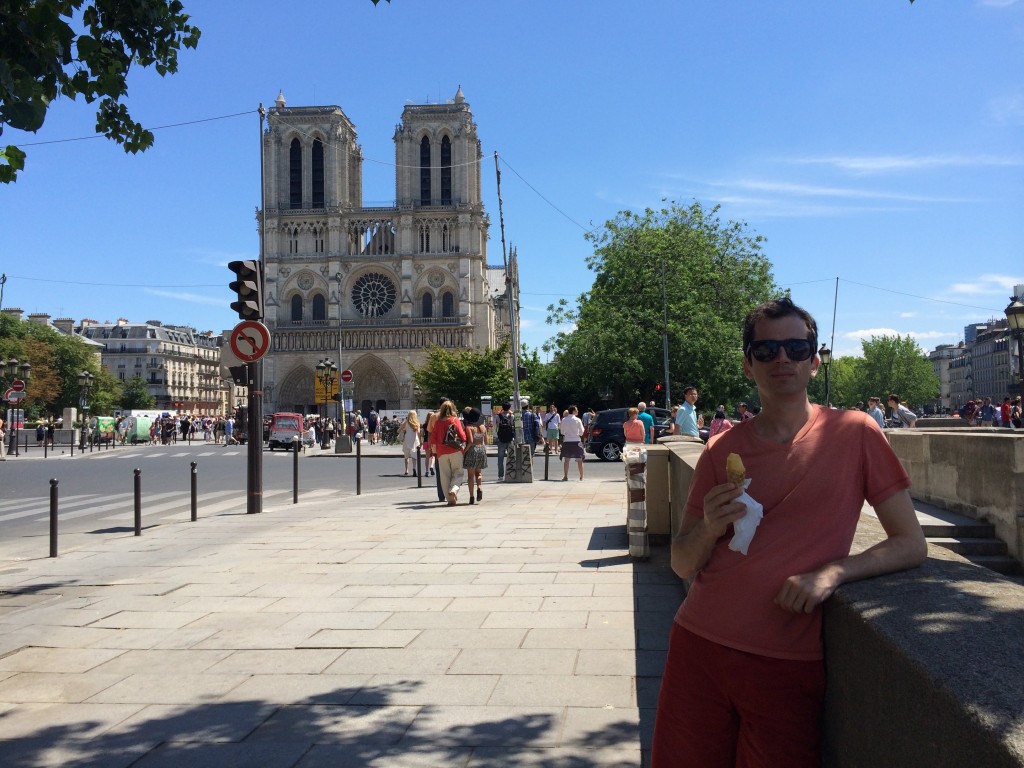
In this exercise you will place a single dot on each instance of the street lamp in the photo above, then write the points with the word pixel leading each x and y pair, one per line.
pixel 1015 320
pixel 85 382
pixel 15 394
pixel 327 374
pixel 825 355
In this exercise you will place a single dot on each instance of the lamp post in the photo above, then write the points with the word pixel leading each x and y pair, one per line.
pixel 327 374
pixel 15 395
pixel 825 355
pixel 85 382
pixel 1015 320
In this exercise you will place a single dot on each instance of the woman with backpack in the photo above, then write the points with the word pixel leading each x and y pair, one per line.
pixel 448 439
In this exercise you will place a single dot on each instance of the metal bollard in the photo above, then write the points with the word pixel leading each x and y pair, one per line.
pixel 45 444
pixel 359 467
pixel 295 469
pixel 138 501
pixel 547 456
pixel 53 517
pixel 195 499
pixel 419 468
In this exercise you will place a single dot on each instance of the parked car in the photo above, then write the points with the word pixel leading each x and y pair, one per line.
pixel 605 438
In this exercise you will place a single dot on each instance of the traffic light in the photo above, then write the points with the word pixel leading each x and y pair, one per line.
pixel 523 373
pixel 249 287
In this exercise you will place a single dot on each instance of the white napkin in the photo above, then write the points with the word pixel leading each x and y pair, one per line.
pixel 744 528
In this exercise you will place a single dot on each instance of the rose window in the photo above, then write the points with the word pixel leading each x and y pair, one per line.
pixel 374 295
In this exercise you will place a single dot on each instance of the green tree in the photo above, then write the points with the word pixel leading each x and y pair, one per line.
pixel 896 364
pixel 713 273
pixel 135 394
pixel 54 48
pixel 463 375
pixel 56 361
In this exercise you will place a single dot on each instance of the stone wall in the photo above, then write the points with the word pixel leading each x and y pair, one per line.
pixel 978 473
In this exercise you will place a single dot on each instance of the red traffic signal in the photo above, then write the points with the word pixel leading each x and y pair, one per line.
pixel 249 287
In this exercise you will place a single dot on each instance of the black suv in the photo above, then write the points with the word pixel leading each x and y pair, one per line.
pixel 605 438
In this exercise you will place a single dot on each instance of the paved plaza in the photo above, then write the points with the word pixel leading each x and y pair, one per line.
pixel 383 630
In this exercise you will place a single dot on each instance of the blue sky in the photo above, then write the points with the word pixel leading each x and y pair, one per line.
pixel 881 143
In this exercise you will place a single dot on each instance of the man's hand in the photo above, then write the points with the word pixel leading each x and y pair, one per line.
pixel 806 591
pixel 721 509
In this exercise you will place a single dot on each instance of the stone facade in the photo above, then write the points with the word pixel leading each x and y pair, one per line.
pixel 372 288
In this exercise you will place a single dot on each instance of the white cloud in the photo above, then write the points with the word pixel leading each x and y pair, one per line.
pixel 988 285
pixel 187 298
pixel 869 164
pixel 908 314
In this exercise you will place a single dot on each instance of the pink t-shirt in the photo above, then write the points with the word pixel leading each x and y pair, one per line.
pixel 812 489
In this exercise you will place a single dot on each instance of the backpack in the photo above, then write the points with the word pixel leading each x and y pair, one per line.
pixel 452 438
pixel 506 433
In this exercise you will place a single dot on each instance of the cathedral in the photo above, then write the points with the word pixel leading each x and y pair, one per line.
pixel 372 289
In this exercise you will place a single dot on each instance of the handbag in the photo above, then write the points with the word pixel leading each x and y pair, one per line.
pixel 452 439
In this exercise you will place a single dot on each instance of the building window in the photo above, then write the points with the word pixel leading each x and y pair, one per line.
pixel 374 295
pixel 319 308
pixel 428 305
pixel 446 171
pixel 318 173
pixel 425 171
pixel 295 174
pixel 424 238
pixel 296 308
pixel 446 239
pixel 448 305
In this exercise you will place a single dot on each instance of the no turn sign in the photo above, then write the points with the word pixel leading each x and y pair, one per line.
pixel 250 340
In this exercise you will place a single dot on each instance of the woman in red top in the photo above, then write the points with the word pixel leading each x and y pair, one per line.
pixel 449 460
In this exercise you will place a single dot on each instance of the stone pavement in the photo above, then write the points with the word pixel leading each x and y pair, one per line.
pixel 388 630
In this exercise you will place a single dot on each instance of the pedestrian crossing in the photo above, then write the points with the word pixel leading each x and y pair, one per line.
pixel 156 507
pixel 151 453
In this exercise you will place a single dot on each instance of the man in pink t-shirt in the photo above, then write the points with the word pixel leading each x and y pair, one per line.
pixel 744 679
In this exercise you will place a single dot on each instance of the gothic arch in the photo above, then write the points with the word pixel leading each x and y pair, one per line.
pixel 296 393
pixel 375 381
pixel 353 279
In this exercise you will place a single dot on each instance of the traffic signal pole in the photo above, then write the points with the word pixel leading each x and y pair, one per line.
pixel 254 445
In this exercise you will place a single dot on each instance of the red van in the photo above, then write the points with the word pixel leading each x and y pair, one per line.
pixel 283 427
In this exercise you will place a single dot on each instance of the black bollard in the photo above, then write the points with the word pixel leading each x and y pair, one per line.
pixel 547 456
pixel 138 501
pixel 419 468
pixel 45 444
pixel 53 517
pixel 195 499
pixel 295 469
pixel 359 467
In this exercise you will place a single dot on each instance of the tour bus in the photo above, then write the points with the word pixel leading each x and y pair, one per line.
pixel 283 427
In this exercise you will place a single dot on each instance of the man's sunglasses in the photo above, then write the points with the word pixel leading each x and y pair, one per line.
pixel 766 350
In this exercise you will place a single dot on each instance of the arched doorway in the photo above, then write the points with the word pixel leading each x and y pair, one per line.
pixel 376 385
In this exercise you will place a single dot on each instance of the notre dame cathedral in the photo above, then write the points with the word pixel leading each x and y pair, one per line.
pixel 373 288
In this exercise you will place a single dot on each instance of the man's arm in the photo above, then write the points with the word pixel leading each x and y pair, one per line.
pixel 692 545
pixel 904 548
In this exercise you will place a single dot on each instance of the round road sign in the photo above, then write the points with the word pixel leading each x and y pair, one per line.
pixel 346 376
pixel 18 385
pixel 249 340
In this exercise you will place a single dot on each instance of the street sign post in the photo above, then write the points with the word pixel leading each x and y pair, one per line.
pixel 346 376
pixel 250 340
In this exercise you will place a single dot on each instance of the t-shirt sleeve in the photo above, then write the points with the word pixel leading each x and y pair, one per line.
pixel 884 475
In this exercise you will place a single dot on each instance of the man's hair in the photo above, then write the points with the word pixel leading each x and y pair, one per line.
pixel 572 409
pixel 775 310
pixel 743 405
pixel 641 406
pixel 894 397
pixel 688 390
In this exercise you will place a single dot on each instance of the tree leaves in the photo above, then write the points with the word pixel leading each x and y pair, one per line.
pixel 41 57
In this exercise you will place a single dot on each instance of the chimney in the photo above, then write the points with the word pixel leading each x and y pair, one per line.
pixel 122 321
pixel 39 318
pixel 14 312
pixel 65 325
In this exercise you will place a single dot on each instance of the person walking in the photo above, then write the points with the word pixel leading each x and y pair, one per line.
pixel 551 421
pixel 475 459
pixel 531 427
pixel 744 679
pixel 409 431
pixel 720 423
pixel 648 421
pixel 632 428
pixel 449 456
pixel 571 429
pixel 688 422
pixel 505 435
pixel 875 411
